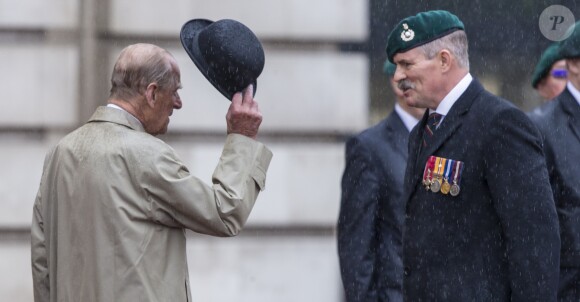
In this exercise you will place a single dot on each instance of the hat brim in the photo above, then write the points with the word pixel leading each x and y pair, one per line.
pixel 189 39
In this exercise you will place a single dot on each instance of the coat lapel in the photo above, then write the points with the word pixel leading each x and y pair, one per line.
pixel 450 124
pixel 414 149
pixel 572 109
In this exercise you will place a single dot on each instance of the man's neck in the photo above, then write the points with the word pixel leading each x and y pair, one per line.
pixel 449 83
pixel 453 95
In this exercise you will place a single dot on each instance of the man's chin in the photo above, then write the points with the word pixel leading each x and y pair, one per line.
pixel 410 101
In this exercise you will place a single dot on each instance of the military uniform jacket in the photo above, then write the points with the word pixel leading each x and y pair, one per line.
pixel 498 240
pixel 371 213
pixel 113 205
pixel 559 123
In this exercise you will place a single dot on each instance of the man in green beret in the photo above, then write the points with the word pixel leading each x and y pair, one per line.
pixel 549 77
pixel 372 210
pixel 480 221
pixel 559 123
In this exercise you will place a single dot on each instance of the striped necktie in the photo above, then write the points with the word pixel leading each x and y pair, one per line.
pixel 432 123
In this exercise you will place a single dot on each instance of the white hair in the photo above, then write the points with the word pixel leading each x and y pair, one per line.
pixel 455 42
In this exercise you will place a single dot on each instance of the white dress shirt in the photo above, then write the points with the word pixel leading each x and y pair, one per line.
pixel 409 120
pixel 452 97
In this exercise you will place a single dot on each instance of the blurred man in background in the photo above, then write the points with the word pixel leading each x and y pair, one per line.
pixel 114 201
pixel 559 123
pixel 372 210
pixel 549 77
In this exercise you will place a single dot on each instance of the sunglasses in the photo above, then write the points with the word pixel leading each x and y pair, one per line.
pixel 559 73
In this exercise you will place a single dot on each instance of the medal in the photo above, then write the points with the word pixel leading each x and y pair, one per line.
pixel 439 175
pixel 455 188
pixel 427 173
pixel 436 182
pixel 427 181
pixel 446 187
pixel 435 186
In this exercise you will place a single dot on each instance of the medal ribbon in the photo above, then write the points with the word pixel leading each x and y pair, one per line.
pixel 437 167
pixel 448 169
pixel 456 176
pixel 441 170
pixel 429 166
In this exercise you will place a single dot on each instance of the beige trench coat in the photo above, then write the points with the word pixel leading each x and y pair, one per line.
pixel 113 205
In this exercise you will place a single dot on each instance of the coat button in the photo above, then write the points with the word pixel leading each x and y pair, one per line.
pixel 407 271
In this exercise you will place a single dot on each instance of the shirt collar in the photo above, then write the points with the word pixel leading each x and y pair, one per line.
pixel 453 95
pixel 409 120
pixel 575 93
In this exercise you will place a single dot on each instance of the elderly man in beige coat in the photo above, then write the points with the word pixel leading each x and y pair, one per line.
pixel 114 201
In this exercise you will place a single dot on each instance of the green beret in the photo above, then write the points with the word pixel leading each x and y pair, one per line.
pixel 548 58
pixel 570 47
pixel 389 68
pixel 421 29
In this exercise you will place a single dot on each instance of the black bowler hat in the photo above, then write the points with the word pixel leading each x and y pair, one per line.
pixel 226 52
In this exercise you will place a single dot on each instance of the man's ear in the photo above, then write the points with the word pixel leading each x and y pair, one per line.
pixel 151 93
pixel 445 59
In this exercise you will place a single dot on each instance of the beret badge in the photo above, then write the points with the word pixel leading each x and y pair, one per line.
pixel 407 34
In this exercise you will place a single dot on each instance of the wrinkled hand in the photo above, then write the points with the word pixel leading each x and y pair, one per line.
pixel 243 116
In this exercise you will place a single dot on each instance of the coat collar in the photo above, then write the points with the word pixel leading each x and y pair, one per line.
pixel 113 115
